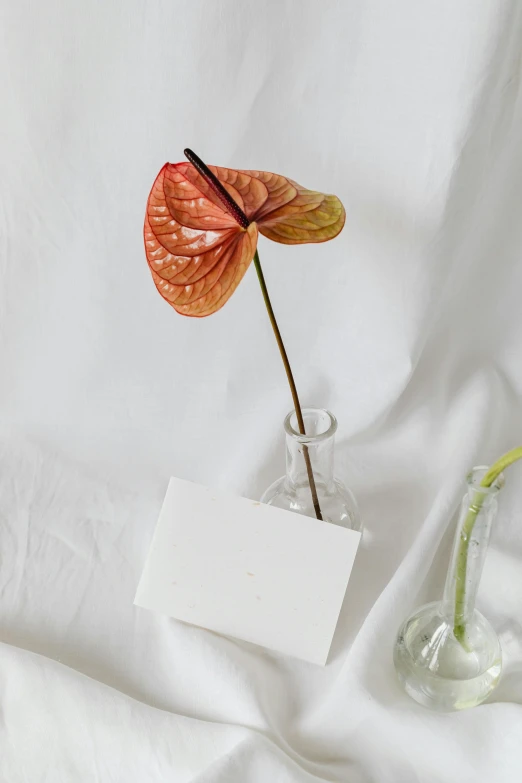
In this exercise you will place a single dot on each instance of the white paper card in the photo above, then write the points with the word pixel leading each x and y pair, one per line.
pixel 248 570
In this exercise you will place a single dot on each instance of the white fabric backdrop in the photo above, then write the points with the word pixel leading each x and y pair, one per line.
pixel 408 327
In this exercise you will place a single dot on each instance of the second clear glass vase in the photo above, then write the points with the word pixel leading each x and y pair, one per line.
pixel 292 491
pixel 447 655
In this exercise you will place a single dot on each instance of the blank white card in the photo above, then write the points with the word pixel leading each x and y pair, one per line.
pixel 248 570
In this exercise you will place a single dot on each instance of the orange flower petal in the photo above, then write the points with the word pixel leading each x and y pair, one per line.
pixel 280 191
pixel 189 205
pixel 195 269
pixel 196 250
pixel 308 217
pixel 223 269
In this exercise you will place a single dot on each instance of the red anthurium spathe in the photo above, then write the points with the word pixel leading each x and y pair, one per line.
pixel 198 250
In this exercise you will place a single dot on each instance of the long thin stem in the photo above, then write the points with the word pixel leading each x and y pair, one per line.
pixel 500 465
pixel 459 620
pixel 291 382
pixel 459 626
pixel 237 213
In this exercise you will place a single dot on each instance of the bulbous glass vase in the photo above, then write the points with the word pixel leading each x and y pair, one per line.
pixel 447 656
pixel 292 491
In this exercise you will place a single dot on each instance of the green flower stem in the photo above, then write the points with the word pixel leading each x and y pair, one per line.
pixel 291 382
pixel 500 465
pixel 459 626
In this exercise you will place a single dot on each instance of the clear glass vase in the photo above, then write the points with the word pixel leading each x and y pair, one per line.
pixel 447 655
pixel 292 491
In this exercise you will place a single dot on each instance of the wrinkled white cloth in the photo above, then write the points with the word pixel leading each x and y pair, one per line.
pixel 408 327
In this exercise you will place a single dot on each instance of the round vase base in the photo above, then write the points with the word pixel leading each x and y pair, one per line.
pixel 439 671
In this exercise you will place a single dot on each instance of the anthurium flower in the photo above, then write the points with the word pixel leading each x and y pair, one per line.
pixel 201 231
pixel 198 248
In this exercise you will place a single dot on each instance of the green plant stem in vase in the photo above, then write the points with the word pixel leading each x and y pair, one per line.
pixel 291 383
pixel 492 475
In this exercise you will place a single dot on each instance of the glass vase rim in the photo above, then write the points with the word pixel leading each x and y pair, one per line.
pixel 310 439
pixel 476 475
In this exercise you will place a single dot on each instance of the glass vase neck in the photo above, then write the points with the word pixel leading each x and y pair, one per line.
pixel 478 509
pixel 319 439
pixel 474 483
